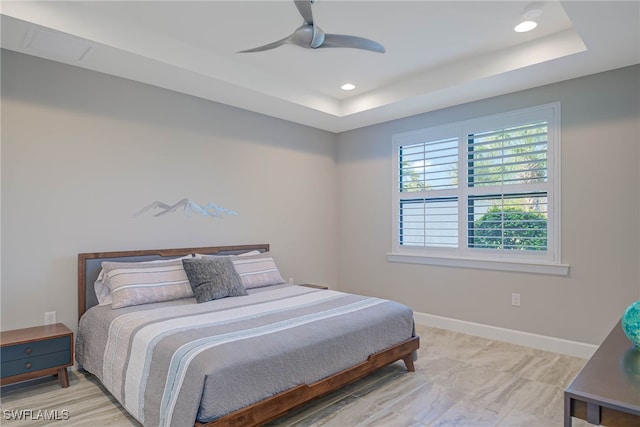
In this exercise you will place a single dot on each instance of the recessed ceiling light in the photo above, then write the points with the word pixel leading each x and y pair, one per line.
pixel 525 26
pixel 347 86
pixel 530 13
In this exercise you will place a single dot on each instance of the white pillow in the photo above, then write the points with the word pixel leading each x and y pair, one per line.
pixel 136 284
pixel 250 253
pixel 102 291
pixel 102 287
pixel 257 271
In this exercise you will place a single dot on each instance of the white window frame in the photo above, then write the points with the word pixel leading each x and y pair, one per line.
pixel 544 262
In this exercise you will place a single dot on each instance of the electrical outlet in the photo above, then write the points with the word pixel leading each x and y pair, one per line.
pixel 291 281
pixel 49 317
pixel 515 300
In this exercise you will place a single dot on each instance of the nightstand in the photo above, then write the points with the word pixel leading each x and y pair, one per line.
pixel 36 352
pixel 308 285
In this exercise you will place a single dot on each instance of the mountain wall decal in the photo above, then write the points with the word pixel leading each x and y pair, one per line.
pixel 189 206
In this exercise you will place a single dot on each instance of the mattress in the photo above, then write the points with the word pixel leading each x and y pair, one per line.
pixel 172 363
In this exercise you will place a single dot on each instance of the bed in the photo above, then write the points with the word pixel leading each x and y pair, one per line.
pixel 238 361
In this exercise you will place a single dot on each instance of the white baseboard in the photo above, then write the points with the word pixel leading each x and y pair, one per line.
pixel 542 342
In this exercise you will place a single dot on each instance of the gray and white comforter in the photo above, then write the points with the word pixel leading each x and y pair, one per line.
pixel 170 363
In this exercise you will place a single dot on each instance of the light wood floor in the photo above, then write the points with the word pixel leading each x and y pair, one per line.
pixel 460 380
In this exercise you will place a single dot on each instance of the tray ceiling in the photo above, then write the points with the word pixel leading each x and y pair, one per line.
pixel 438 53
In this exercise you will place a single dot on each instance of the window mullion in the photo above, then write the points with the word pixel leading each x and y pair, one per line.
pixel 511 189
pixel 463 159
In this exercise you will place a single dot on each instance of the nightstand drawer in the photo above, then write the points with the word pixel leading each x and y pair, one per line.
pixel 35 363
pixel 36 348
pixel 36 352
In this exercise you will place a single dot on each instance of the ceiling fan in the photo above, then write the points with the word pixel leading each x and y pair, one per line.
pixel 310 36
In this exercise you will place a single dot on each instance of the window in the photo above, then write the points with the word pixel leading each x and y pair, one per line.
pixel 485 189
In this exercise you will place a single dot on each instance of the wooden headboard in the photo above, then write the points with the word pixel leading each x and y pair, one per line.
pixel 90 264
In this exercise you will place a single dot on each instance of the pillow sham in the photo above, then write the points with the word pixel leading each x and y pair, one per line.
pixel 218 256
pixel 101 285
pixel 103 293
pixel 257 271
pixel 145 283
pixel 213 278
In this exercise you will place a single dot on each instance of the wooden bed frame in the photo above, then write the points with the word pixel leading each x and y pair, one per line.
pixel 275 406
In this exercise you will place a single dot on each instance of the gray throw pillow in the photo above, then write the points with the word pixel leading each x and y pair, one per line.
pixel 213 278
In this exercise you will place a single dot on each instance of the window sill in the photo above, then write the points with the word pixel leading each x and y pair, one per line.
pixel 484 264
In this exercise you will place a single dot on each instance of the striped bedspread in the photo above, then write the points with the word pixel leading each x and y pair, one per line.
pixel 171 363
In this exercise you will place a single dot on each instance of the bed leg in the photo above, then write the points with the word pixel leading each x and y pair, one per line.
pixel 408 362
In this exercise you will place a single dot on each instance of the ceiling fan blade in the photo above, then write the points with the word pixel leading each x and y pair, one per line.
pixel 338 40
pixel 310 36
pixel 304 7
pixel 268 46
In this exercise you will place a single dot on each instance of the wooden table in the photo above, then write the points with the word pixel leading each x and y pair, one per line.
pixel 607 390
pixel 309 285
pixel 36 352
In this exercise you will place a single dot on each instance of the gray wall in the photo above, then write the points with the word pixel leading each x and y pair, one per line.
pixel 600 216
pixel 82 152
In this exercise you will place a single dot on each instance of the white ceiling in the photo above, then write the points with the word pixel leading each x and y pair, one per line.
pixel 438 53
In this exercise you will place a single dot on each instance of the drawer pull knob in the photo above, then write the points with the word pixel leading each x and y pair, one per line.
pixel 28 365
pixel 28 350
